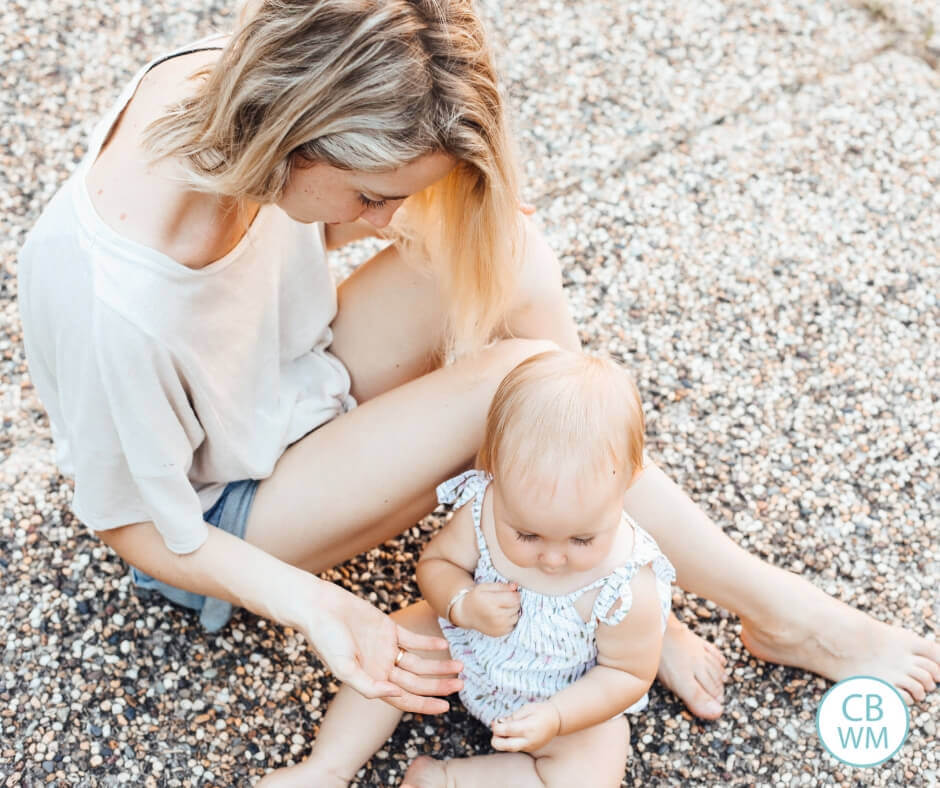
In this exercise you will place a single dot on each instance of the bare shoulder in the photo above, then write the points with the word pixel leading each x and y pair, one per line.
pixel 456 541
pixel 134 196
pixel 634 643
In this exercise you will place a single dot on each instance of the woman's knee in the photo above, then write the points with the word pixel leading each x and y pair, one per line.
pixel 540 307
pixel 507 354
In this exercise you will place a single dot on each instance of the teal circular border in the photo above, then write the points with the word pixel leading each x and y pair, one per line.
pixel 907 725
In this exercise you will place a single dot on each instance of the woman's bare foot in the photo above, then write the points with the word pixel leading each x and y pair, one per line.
pixel 304 775
pixel 837 641
pixel 425 772
pixel 693 669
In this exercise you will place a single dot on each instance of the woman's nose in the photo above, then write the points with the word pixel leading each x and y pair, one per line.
pixel 380 217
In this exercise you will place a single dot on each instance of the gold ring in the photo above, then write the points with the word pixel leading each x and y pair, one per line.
pixel 401 653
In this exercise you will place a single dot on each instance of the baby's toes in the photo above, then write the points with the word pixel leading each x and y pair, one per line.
pixel 712 651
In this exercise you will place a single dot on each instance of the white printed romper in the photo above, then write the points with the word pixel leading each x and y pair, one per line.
pixel 551 646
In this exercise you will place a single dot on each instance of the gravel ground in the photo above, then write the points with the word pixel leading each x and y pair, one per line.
pixel 744 197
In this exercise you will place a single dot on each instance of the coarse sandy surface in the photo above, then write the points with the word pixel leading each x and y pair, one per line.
pixel 745 198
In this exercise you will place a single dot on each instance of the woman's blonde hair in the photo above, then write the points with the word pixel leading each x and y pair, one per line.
pixel 368 85
pixel 563 411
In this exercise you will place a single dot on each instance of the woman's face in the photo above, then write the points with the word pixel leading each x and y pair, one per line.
pixel 322 193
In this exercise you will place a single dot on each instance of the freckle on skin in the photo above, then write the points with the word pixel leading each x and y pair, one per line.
pixel 123 216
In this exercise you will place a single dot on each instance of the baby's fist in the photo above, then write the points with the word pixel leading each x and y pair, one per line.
pixel 490 608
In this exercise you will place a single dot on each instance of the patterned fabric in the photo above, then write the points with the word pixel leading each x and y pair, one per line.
pixel 551 646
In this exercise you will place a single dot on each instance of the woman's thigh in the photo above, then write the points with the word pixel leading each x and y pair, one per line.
pixel 370 473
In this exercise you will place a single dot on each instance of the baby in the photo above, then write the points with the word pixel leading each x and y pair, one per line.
pixel 551 596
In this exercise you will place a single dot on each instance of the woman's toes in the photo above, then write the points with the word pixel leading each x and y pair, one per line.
pixel 931 650
pixel 911 690
pixel 925 663
pixel 924 678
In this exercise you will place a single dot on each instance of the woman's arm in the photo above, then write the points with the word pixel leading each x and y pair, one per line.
pixel 627 659
pixel 357 642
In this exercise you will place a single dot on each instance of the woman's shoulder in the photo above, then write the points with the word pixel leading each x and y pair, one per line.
pixel 145 201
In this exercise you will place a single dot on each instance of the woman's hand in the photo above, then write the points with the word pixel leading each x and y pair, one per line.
pixel 490 608
pixel 528 729
pixel 365 649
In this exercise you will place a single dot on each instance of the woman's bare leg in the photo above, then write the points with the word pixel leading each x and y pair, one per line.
pixel 785 618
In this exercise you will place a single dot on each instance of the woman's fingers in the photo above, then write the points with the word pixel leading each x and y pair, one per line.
pixel 418 704
pixel 412 640
pixel 424 666
pixel 424 685
pixel 366 686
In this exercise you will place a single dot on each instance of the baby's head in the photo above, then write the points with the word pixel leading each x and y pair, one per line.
pixel 564 439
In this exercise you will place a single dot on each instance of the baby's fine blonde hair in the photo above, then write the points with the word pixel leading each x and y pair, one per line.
pixel 368 85
pixel 564 411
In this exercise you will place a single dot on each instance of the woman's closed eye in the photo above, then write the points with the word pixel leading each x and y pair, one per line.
pixel 371 203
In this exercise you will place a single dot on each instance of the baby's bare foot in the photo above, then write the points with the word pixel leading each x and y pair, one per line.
pixel 693 669
pixel 838 641
pixel 304 775
pixel 425 772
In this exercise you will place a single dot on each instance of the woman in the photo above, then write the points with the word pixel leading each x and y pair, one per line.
pixel 184 335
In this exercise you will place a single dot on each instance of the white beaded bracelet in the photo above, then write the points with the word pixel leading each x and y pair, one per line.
pixel 454 600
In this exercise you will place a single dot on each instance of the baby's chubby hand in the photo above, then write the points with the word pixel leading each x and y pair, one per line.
pixel 527 729
pixel 490 608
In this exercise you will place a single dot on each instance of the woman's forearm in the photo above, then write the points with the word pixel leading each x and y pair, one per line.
pixel 224 567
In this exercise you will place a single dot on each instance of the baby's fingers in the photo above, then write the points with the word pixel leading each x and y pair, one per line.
pixel 505 744
pixel 498 588
pixel 510 727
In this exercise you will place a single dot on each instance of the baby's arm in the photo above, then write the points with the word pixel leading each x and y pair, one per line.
pixel 446 566
pixel 627 660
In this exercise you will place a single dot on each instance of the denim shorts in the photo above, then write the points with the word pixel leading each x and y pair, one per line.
pixel 230 513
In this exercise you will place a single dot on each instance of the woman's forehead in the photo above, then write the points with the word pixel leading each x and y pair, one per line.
pixel 406 180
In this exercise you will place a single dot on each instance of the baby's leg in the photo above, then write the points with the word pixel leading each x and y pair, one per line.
pixel 354 728
pixel 593 757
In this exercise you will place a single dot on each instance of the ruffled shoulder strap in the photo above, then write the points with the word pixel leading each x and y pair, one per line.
pixel 460 490
pixel 617 584
pixel 463 488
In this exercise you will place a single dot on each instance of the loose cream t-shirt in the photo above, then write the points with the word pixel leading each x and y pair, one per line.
pixel 163 383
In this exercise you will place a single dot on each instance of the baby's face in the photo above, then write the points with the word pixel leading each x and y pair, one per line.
pixel 561 525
